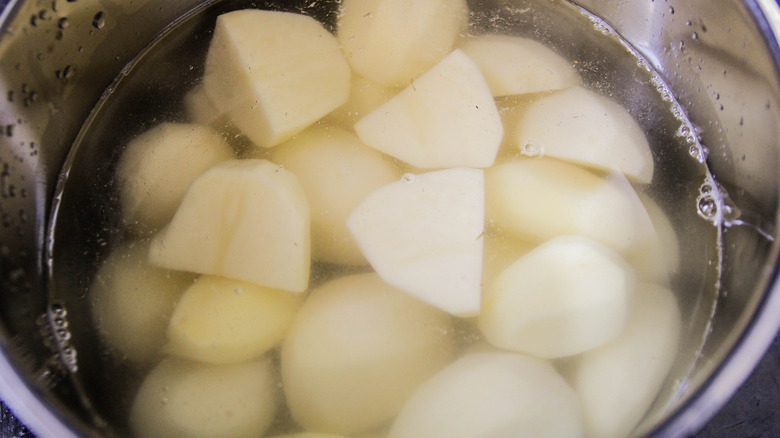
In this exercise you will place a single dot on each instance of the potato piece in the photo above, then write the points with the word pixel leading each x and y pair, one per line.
pixel 219 320
pixel 492 395
pixel 567 296
pixel 364 97
pixel 618 382
pixel 199 107
pixel 538 199
pixel 355 352
pixel 391 42
pixel 337 171
pixel 656 257
pixel 445 118
pixel 158 166
pixel 274 73
pixel 243 219
pixel 180 398
pixel 423 234
pixel 515 65
pixel 132 302
pixel 581 126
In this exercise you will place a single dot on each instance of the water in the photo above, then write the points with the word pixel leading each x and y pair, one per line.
pixel 87 223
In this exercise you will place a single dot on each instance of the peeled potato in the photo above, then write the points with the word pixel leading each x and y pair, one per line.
pixel 158 166
pixel 657 256
pixel 179 398
pixel 364 97
pixel 200 108
pixel 132 302
pixel 423 234
pixel 618 382
pixel 355 352
pixel 445 118
pixel 219 320
pixel 337 171
pixel 492 395
pixel 274 73
pixel 392 42
pixel 516 65
pixel 581 126
pixel 567 296
pixel 243 219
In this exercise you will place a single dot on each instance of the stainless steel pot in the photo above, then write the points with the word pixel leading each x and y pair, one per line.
pixel 720 58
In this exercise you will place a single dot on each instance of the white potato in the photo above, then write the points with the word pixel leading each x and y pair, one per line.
pixel 158 166
pixel 274 73
pixel 538 199
pixel 569 295
pixel 584 127
pixel 492 395
pixel 516 65
pixel 242 219
pixel 364 97
pixel 201 109
pixel 180 398
pixel 391 42
pixel 423 234
pixel 618 382
pixel 337 171
pixel 131 302
pixel 445 118
pixel 356 350
pixel 219 320
pixel 657 256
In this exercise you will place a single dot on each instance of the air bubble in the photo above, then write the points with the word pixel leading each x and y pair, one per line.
pixel 705 189
pixel 532 149
pixel 408 178
pixel 707 207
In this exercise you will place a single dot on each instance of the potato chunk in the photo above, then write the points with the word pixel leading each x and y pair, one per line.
pixel 337 171
pixel 423 234
pixel 584 127
pixel 391 42
pixel 243 219
pixel 274 73
pixel 445 118
pixel 219 320
pixel 364 97
pixel 514 65
pixel 567 296
pixel 492 395
pixel 158 166
pixel 132 302
pixel 180 398
pixel 355 352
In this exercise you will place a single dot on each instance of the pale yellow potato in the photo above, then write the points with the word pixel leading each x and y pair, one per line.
pixel 567 296
pixel 446 118
pixel 516 65
pixel 492 395
pixel 219 320
pixel 618 382
pixel 355 352
pixel 274 73
pixel 132 301
pixel 423 234
pixel 337 171
pixel 184 399
pixel 392 42
pixel 243 219
pixel 656 257
pixel 584 127
pixel 158 166
pixel 364 97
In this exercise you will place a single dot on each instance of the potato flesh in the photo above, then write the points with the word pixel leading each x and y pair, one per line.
pixel 243 219
pixel 180 398
pixel 492 395
pixel 274 73
pixel 356 350
pixel 364 97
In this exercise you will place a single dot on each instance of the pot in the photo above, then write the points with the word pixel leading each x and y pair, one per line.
pixel 720 60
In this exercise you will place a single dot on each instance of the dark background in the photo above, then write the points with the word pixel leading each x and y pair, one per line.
pixel 754 411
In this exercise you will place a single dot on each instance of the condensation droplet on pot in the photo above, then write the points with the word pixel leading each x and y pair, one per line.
pixel 695 36
pixel 99 21
pixel 408 178
pixel 34 20
pixel 63 23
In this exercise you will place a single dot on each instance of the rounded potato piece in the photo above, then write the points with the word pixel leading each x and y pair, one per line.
pixel 364 97
pixel 492 395
pixel 180 398
pixel 618 382
pixel 132 302
pixel 392 42
pixel 337 171
pixel 656 257
pixel 158 166
pixel 355 352
pixel 567 296
pixel 219 320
